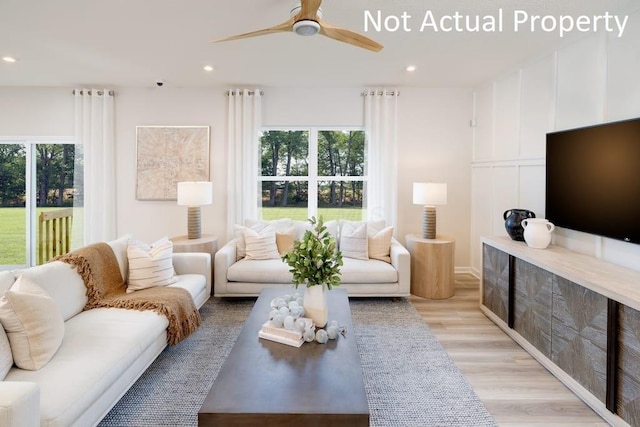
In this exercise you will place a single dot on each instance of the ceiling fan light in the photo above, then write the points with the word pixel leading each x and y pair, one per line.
pixel 306 27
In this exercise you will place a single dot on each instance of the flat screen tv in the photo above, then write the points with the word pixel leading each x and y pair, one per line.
pixel 593 180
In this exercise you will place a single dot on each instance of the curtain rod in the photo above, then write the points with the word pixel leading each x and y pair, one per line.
pixel 251 92
pixel 100 92
pixel 380 92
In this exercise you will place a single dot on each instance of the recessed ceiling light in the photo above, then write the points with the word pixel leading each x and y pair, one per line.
pixel 9 59
pixel 411 68
pixel 208 68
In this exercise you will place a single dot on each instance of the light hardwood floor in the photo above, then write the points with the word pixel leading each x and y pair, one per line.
pixel 511 384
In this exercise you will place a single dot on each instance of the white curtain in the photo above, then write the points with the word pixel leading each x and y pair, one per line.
pixel 245 122
pixel 380 122
pixel 94 132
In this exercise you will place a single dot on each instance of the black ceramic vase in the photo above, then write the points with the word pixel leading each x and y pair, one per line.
pixel 512 219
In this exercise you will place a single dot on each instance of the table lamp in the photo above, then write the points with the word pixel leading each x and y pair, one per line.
pixel 194 195
pixel 429 194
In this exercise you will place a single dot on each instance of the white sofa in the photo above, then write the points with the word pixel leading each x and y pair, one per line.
pixel 238 276
pixel 103 351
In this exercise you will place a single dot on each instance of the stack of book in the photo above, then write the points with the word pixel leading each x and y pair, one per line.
pixel 284 336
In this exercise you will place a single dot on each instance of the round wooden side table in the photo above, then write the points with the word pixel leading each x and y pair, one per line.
pixel 432 266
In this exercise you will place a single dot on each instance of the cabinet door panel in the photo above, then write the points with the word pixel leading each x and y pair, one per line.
pixel 629 365
pixel 579 334
pixel 533 293
pixel 495 281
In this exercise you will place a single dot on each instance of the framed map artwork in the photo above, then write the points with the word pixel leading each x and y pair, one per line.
pixel 167 155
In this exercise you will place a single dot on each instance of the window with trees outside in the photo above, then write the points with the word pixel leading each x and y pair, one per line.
pixel 36 176
pixel 312 172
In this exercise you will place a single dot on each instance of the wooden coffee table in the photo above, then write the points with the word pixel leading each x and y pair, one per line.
pixel 270 384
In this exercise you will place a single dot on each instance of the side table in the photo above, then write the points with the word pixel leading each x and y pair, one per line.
pixel 432 266
pixel 207 244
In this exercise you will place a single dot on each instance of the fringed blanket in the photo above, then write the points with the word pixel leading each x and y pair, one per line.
pixel 98 267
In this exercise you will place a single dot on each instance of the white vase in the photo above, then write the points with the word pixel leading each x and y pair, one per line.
pixel 537 232
pixel 315 304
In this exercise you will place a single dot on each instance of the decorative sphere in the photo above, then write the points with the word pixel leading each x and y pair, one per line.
pixel 309 335
pixel 289 323
pixel 277 320
pixel 321 336
pixel 332 332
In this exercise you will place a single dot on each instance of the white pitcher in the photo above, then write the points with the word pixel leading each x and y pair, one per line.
pixel 537 232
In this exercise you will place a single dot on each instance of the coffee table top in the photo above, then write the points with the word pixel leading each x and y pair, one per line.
pixel 262 377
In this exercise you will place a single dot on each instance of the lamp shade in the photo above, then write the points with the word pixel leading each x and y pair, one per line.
pixel 195 193
pixel 429 193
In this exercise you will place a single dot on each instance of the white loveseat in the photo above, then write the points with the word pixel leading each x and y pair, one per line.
pixel 235 275
pixel 103 352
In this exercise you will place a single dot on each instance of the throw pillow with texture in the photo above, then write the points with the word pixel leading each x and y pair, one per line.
pixel 284 240
pixel 238 232
pixel 353 240
pixel 261 245
pixel 379 243
pixel 6 358
pixel 33 324
pixel 150 266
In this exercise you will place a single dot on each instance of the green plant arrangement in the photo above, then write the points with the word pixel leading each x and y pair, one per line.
pixel 314 260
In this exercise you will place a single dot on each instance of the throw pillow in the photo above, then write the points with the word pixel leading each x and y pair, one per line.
pixel 379 243
pixel 6 280
pixel 261 245
pixel 241 245
pixel 284 240
pixel 353 240
pixel 6 358
pixel 33 323
pixel 150 266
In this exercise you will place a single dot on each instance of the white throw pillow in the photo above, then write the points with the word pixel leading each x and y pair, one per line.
pixel 241 245
pixel 379 243
pixel 33 323
pixel 261 245
pixel 6 358
pixel 353 240
pixel 150 266
pixel 6 280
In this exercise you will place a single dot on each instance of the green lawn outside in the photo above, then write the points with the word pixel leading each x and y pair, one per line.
pixel 327 214
pixel 12 235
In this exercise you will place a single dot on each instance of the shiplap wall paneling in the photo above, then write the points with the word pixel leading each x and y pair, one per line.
pixel 532 189
pixel 505 195
pixel 537 106
pixel 623 84
pixel 480 212
pixel 581 81
pixel 507 116
pixel 484 130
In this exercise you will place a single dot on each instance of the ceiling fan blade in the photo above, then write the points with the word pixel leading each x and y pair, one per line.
pixel 348 36
pixel 280 28
pixel 308 10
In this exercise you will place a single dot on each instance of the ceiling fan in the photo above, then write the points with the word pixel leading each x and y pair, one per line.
pixel 306 20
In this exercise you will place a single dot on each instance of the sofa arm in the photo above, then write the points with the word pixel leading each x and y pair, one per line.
pixel 19 404
pixel 401 261
pixel 193 263
pixel 224 259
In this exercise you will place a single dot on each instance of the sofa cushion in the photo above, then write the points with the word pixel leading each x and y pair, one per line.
pixel 33 323
pixel 261 244
pixel 276 271
pixel 260 271
pixel 61 282
pixel 302 226
pixel 6 358
pixel 194 283
pixel 353 241
pixel 285 240
pixel 119 247
pixel 150 266
pixel 88 363
pixel 369 271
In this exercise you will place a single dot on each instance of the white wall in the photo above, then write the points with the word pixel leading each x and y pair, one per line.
pixel 434 145
pixel 591 81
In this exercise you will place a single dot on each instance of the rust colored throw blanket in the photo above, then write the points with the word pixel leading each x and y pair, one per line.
pixel 98 267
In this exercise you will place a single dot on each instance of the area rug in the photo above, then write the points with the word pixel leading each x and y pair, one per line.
pixel 409 378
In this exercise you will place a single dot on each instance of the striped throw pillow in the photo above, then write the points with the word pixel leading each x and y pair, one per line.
pixel 149 267
pixel 261 245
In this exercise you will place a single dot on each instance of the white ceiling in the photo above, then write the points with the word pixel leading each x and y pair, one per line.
pixel 122 43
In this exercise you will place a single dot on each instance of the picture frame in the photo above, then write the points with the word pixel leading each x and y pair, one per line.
pixel 166 155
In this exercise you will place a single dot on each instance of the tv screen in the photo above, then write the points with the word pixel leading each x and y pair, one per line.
pixel 593 180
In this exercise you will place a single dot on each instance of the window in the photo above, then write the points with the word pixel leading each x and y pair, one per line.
pixel 36 176
pixel 312 172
